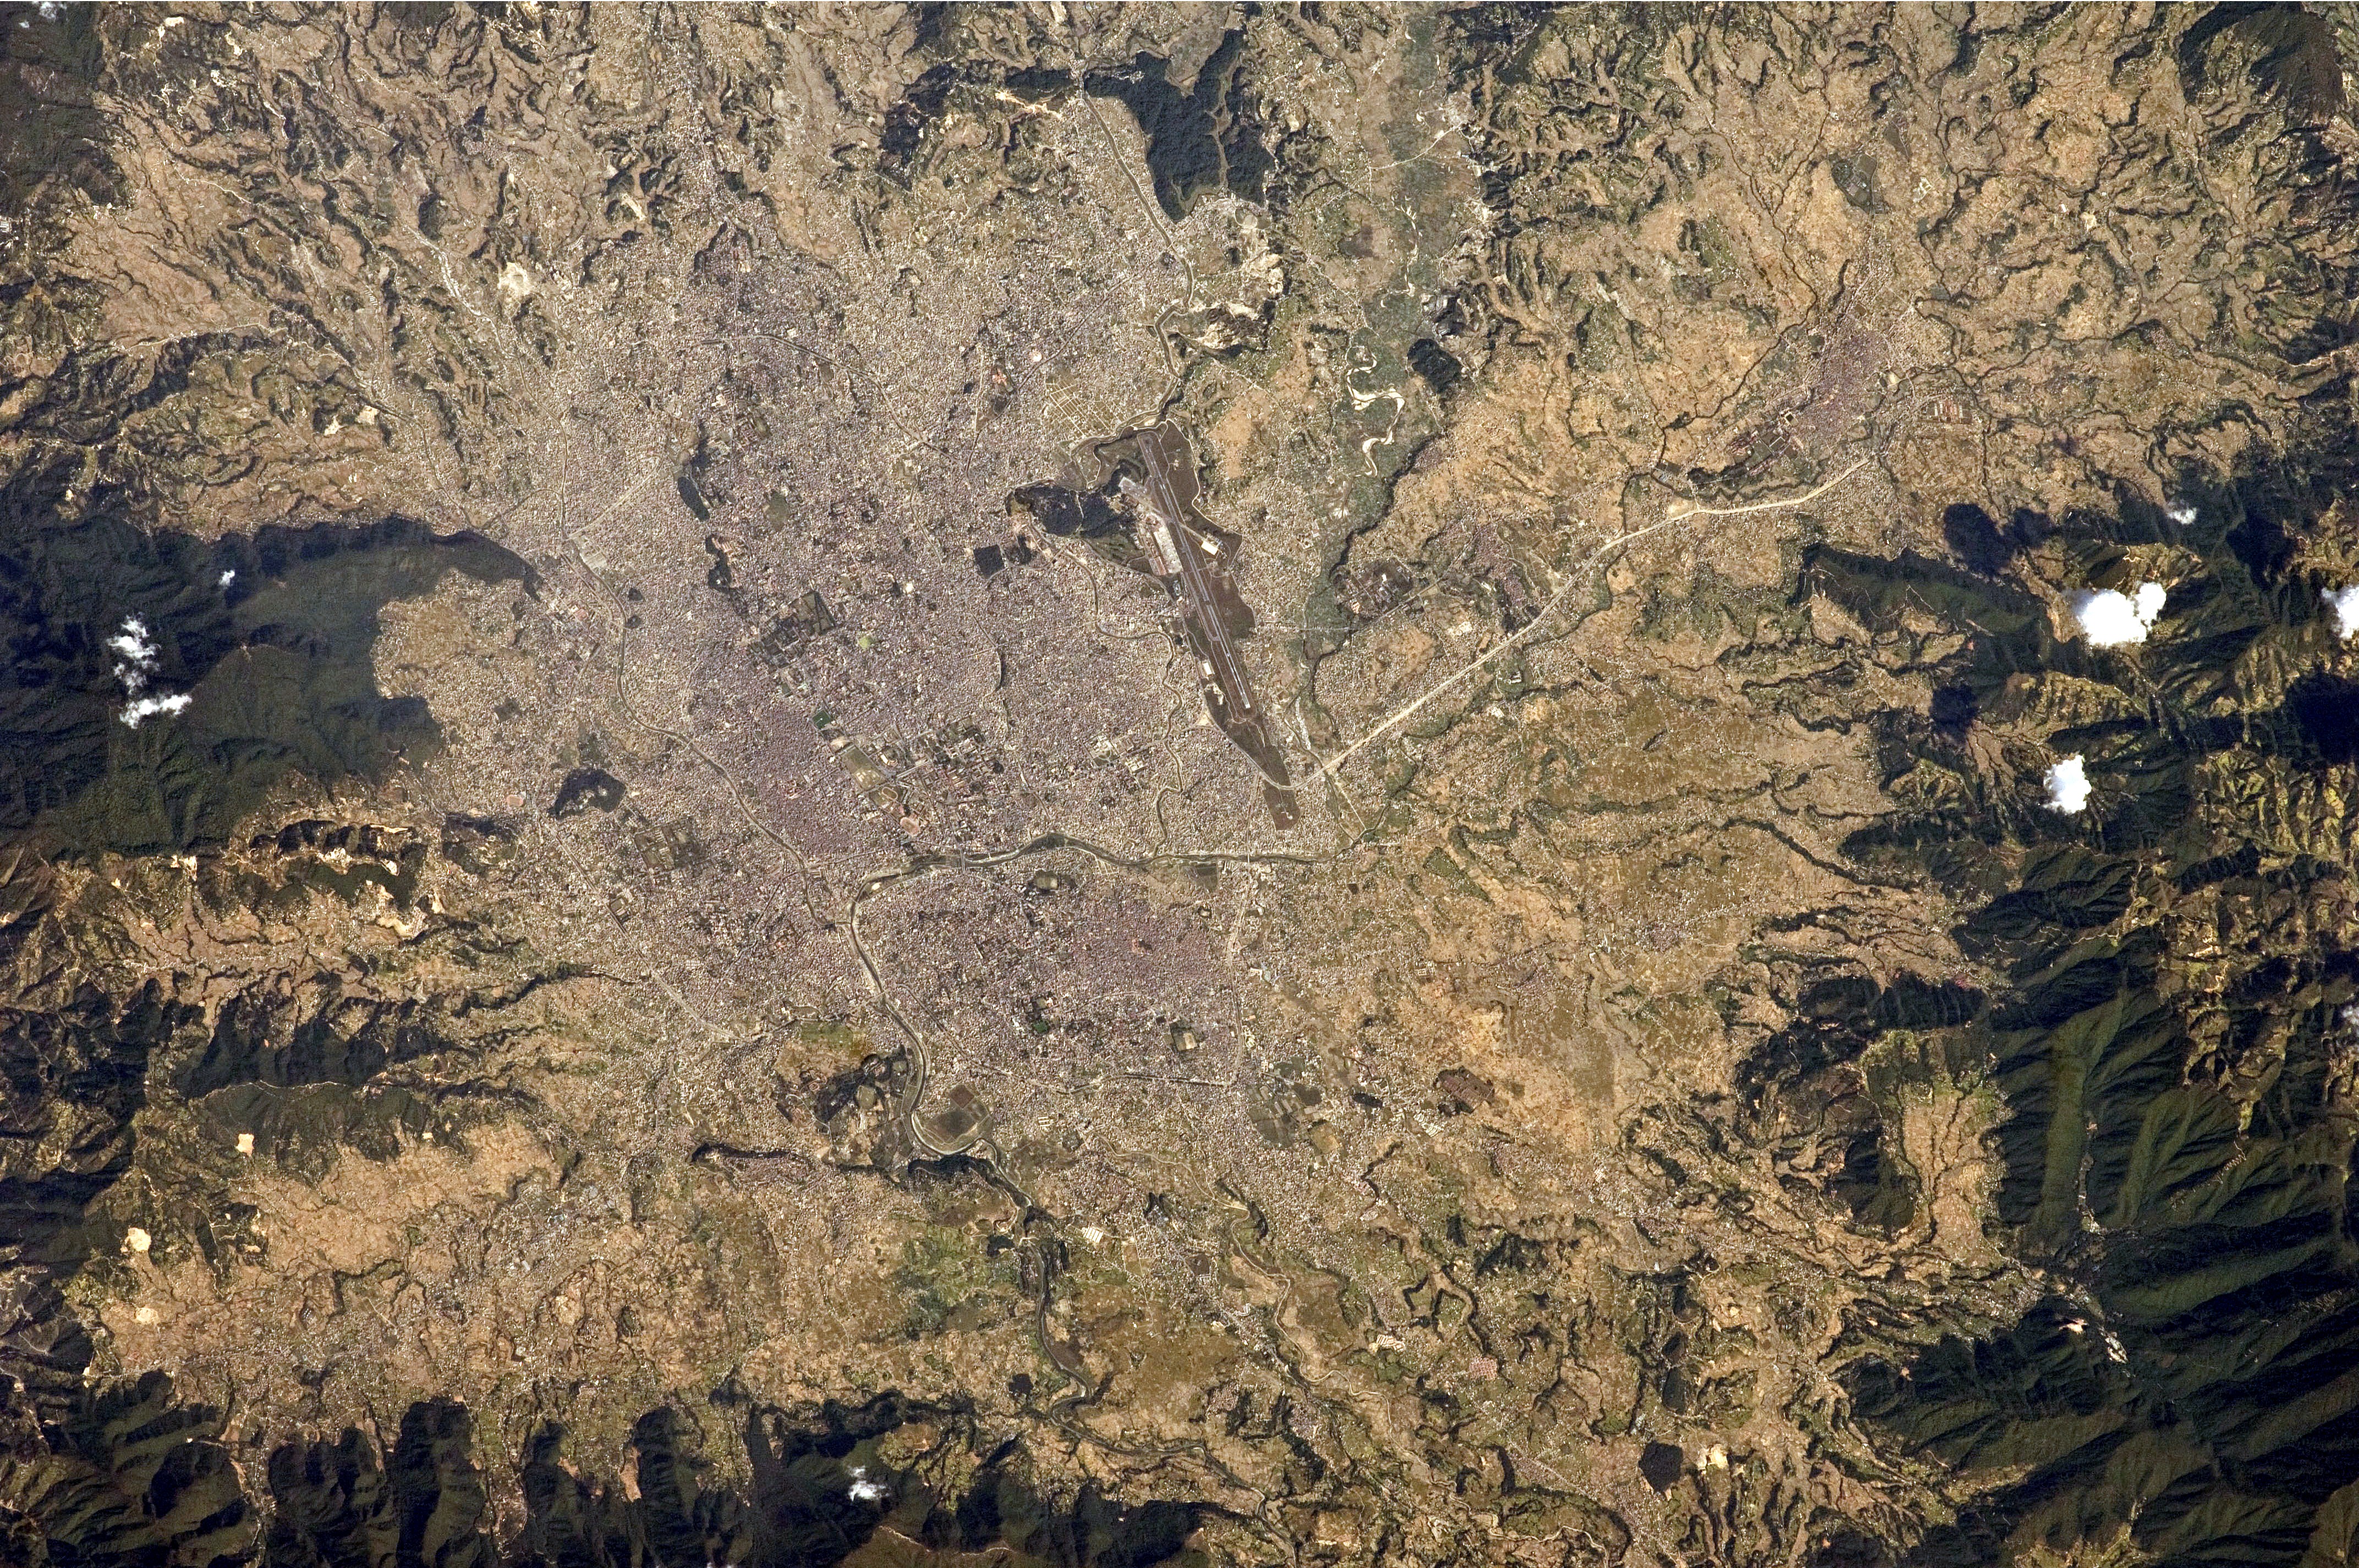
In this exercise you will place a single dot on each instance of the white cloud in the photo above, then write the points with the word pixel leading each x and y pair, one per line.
pixel 227 578
pixel 2180 513
pixel 863 1489
pixel 2110 619
pixel 136 649
pixel 136 661
pixel 140 708
pixel 132 642
pixel 2344 602
pixel 2068 787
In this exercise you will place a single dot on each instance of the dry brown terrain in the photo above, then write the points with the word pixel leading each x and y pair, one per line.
pixel 713 992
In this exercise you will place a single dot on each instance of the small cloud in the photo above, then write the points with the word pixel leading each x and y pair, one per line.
pixel 132 645
pixel 2068 787
pixel 863 1489
pixel 140 708
pixel 2344 602
pixel 2111 619
pixel 2180 512
pixel 227 578
pixel 135 654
